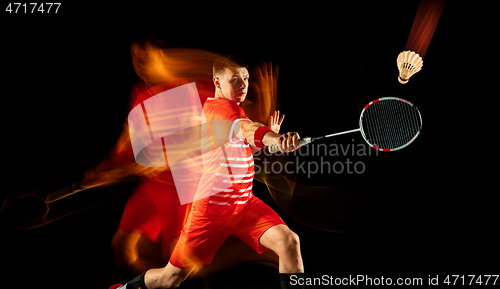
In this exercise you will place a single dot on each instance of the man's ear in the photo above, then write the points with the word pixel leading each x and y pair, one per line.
pixel 216 82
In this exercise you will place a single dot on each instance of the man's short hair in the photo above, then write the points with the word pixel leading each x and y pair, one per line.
pixel 223 62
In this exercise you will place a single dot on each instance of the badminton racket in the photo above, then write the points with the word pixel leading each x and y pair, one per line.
pixel 386 124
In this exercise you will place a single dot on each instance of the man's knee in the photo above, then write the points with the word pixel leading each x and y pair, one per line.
pixel 288 243
pixel 292 240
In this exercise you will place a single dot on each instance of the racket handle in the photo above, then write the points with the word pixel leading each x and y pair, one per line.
pixel 303 141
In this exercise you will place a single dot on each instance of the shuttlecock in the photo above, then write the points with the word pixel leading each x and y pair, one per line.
pixel 409 63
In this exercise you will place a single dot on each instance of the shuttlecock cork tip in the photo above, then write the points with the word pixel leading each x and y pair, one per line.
pixel 402 81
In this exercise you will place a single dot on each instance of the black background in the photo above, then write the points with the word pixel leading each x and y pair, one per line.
pixel 66 80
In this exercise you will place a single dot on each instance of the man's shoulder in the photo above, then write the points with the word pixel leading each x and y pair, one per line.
pixel 222 102
pixel 223 108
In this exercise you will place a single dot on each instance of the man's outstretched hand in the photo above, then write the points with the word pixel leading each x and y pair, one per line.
pixel 275 121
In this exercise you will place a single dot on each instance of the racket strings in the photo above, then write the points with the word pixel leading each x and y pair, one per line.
pixel 390 123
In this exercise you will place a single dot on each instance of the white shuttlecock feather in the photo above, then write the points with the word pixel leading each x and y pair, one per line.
pixel 409 63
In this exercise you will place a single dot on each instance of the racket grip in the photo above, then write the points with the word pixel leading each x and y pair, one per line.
pixel 303 141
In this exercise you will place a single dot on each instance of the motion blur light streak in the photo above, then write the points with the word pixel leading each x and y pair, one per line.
pixel 425 24
pixel 158 68
pixel 48 203
pixel 263 93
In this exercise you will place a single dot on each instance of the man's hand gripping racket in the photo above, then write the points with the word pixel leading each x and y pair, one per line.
pixel 386 124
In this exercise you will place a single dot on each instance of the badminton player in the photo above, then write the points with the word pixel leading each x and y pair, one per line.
pixel 153 217
pixel 233 210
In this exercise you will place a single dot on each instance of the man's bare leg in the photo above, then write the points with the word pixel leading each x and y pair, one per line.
pixel 136 253
pixel 166 277
pixel 286 245
pixel 233 252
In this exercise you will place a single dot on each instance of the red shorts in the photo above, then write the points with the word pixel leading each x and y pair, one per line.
pixel 156 213
pixel 203 235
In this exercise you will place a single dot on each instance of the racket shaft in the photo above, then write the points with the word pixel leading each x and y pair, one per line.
pixel 344 132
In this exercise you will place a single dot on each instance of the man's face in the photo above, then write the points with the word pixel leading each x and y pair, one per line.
pixel 234 83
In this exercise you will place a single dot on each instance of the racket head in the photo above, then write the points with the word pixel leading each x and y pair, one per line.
pixel 390 123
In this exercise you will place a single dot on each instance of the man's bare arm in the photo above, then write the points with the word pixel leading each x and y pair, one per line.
pixel 286 143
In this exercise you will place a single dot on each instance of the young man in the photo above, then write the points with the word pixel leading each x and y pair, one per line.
pixel 153 217
pixel 231 207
